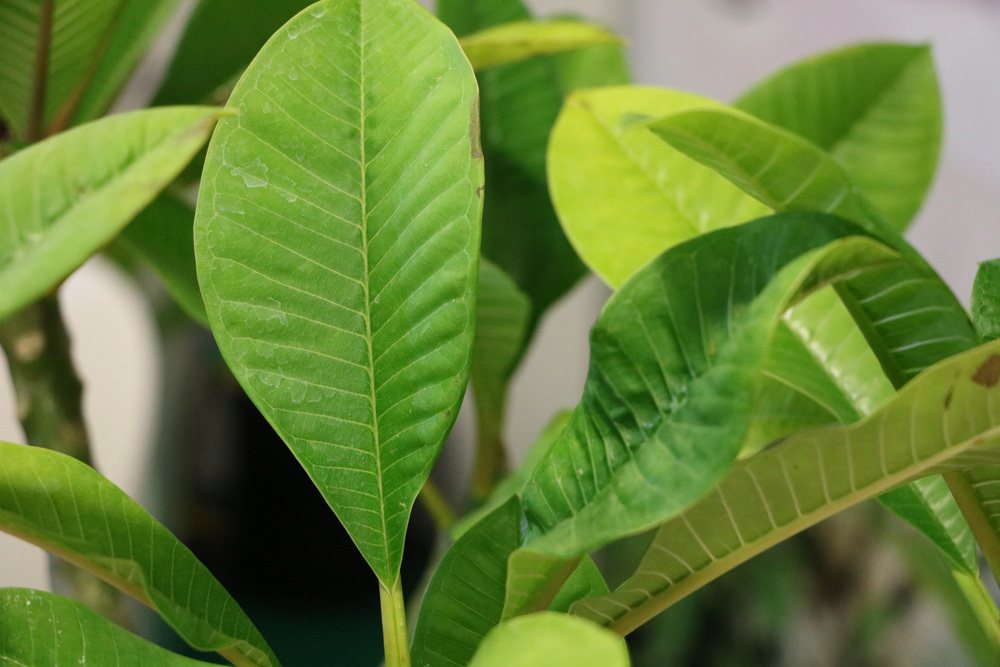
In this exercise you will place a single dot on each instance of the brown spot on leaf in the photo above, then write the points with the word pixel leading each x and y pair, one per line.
pixel 947 397
pixel 475 132
pixel 988 374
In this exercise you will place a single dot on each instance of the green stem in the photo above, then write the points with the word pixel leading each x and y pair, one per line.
pixel 438 507
pixel 975 515
pixel 49 407
pixel 36 111
pixel 491 456
pixel 397 648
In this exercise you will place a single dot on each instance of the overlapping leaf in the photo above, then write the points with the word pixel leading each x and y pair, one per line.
pixel 875 108
pixel 56 210
pixel 550 638
pixel 336 239
pixel 78 29
pixel 67 508
pixel 44 630
pixel 519 40
pixel 945 419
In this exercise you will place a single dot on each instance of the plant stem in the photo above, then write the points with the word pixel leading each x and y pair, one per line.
pixel 979 523
pixel 397 648
pixel 36 112
pixel 491 456
pixel 48 394
pixel 437 506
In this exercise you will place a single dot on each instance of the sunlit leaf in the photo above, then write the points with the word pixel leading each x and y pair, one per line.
pixel 550 638
pixel 942 420
pixel 337 237
pixel 67 508
pixel 511 42
pixel 875 108
pixel 57 209
pixel 44 630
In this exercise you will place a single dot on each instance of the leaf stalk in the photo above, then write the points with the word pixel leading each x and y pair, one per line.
pixel 394 635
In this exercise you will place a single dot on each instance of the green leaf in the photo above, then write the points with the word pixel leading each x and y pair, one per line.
pixel 78 29
pixel 219 41
pixel 44 630
pixel 592 67
pixel 465 598
pixel 523 39
pixel 986 300
pixel 137 25
pixel 67 508
pixel 942 420
pixel 875 108
pixel 336 238
pixel 163 236
pixel 622 195
pixel 550 638
pixel 780 169
pixel 58 210
pixel 670 396
pixel 586 581
pixel 502 317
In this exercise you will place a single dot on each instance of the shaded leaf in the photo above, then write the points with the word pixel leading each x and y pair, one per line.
pixel 550 638
pixel 464 600
pixel 986 300
pixel 772 496
pixel 58 210
pixel 67 508
pixel 336 238
pixel 220 39
pixel 78 29
pixel 520 40
pixel 44 630
pixel 875 108
pixel 163 236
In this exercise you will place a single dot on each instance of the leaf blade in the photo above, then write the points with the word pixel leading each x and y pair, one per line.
pixel 520 40
pixel 547 638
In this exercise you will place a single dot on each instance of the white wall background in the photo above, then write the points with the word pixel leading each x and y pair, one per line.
pixel 713 47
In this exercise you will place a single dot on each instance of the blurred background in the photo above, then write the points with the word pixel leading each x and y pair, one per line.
pixel 855 603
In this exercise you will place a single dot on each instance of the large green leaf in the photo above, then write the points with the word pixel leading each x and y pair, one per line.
pixel 57 208
pixel 336 238
pixel 519 40
pixel 944 419
pixel 465 598
pixel 676 358
pixel 502 316
pixel 44 630
pixel 67 508
pixel 220 39
pixel 875 108
pixel 622 195
pixel 136 26
pixel 163 235
pixel 550 638
pixel 77 30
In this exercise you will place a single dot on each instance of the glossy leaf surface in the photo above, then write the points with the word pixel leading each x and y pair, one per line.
pixel 44 630
pixel 875 108
pixel 78 27
pixel 550 638
pixel 622 195
pixel 520 40
pixel 942 420
pixel 56 210
pixel 464 600
pixel 67 508
pixel 337 239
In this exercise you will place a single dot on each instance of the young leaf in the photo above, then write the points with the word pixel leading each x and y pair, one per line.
pixel 608 171
pixel 775 494
pixel 550 638
pixel 58 210
pixel 875 108
pixel 31 97
pixel 986 300
pixel 502 317
pixel 220 39
pixel 336 238
pixel 44 630
pixel 163 236
pixel 511 42
pixel 464 600
pixel 67 508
